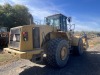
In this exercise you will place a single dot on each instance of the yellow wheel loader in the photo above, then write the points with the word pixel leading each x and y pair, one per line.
pixel 52 41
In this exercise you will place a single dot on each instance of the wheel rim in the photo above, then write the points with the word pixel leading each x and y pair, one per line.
pixel 63 53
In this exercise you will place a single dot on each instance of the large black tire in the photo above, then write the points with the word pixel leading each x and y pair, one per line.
pixel 53 52
pixel 78 50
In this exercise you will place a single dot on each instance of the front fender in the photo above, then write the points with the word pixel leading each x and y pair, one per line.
pixel 75 40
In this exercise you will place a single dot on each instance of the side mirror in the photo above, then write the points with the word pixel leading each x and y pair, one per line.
pixel 69 19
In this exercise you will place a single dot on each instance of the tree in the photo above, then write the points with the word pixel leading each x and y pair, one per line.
pixel 11 16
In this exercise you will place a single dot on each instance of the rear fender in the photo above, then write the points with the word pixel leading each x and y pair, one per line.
pixel 63 35
pixel 54 35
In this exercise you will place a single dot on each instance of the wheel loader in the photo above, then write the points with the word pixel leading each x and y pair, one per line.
pixel 53 41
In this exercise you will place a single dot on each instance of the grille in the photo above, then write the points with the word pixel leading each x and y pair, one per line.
pixel 15 38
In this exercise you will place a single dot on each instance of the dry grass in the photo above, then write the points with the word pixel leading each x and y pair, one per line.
pixel 94 41
pixel 6 58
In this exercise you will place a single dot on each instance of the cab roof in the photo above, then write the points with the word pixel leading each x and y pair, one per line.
pixel 56 15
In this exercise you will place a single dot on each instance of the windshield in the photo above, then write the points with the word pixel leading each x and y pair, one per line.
pixel 53 21
pixel 3 29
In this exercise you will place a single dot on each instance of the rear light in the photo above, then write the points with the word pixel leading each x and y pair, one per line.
pixel 25 36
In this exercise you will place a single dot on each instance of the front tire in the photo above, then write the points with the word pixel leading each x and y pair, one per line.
pixel 78 50
pixel 57 52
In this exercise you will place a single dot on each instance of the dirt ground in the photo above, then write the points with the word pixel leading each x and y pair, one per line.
pixel 87 64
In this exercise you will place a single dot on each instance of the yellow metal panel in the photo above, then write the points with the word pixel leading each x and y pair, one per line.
pixel 75 41
pixel 15 53
pixel 44 30
pixel 27 45
pixel 23 55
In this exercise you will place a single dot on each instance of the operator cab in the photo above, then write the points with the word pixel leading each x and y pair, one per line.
pixel 57 20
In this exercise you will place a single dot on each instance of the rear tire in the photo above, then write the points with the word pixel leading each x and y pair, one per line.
pixel 57 52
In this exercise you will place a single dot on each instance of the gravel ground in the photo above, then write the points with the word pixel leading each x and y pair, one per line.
pixel 87 64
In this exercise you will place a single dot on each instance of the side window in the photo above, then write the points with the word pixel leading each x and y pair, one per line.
pixel 57 23
pixel 51 22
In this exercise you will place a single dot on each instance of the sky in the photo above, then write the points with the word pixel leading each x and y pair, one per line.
pixel 85 13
